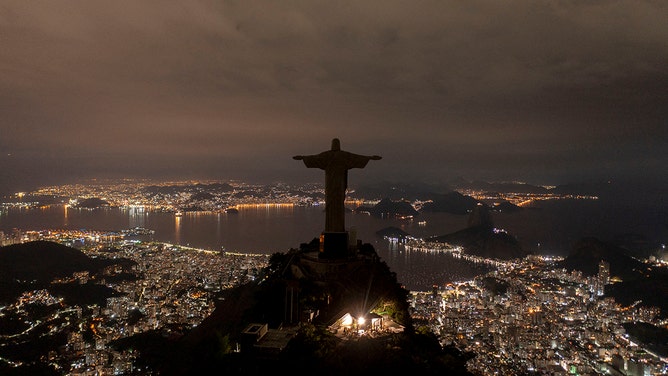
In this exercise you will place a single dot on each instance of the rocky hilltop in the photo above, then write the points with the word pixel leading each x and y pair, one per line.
pixel 482 239
pixel 302 300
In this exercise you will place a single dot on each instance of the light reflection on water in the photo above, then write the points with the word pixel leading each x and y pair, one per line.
pixel 277 228
pixel 255 229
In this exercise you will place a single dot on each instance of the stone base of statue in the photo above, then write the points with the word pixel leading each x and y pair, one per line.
pixel 333 245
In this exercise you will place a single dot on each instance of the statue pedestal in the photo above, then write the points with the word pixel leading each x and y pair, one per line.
pixel 333 245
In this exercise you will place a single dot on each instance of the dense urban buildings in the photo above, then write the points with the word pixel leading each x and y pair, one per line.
pixel 527 316
pixel 176 292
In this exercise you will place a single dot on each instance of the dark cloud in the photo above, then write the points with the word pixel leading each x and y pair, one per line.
pixel 526 90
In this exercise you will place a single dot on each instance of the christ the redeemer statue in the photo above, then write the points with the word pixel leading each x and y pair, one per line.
pixel 336 164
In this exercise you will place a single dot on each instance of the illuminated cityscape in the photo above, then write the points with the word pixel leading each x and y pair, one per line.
pixel 175 293
pixel 216 196
pixel 148 174
pixel 534 317
pixel 548 321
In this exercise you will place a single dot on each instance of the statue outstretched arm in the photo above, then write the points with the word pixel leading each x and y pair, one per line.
pixel 319 160
pixel 376 157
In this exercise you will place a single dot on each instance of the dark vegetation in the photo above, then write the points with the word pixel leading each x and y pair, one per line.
pixel 386 208
pixel 480 238
pixel 451 202
pixel 483 241
pixel 640 282
pixel 495 285
pixel 652 337
pixel 35 265
pixel 91 203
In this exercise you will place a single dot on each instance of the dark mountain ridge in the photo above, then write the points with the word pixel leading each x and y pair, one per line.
pixel 501 187
pixel 92 203
pixel 451 202
pixel 34 265
pixel 43 260
pixel 399 190
pixel 387 208
pixel 481 238
pixel 485 242
pixel 637 282
pixel 588 252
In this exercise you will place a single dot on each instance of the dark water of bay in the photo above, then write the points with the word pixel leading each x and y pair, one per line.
pixel 277 228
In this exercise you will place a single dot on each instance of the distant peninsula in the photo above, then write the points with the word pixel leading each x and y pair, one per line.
pixel 92 203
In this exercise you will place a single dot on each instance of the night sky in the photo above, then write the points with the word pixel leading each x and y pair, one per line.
pixel 547 92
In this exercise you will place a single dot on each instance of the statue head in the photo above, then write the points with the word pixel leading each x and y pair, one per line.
pixel 336 144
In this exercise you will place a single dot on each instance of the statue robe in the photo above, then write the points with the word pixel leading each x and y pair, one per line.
pixel 336 164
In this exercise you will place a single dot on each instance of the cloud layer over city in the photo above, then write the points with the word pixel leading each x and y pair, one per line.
pixel 548 92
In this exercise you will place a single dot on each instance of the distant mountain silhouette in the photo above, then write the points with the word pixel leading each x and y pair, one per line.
pixel 498 187
pixel 588 252
pixel 43 261
pixel 194 188
pixel 400 191
pixel 387 208
pixel 483 241
pixel 639 192
pixel 506 207
pixel 296 284
pixel 601 188
pixel 639 246
pixel 640 282
pixel 480 216
pixel 451 202
pixel 92 203
pixel 480 238
pixel 427 191
pixel 33 265
pixel 392 232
